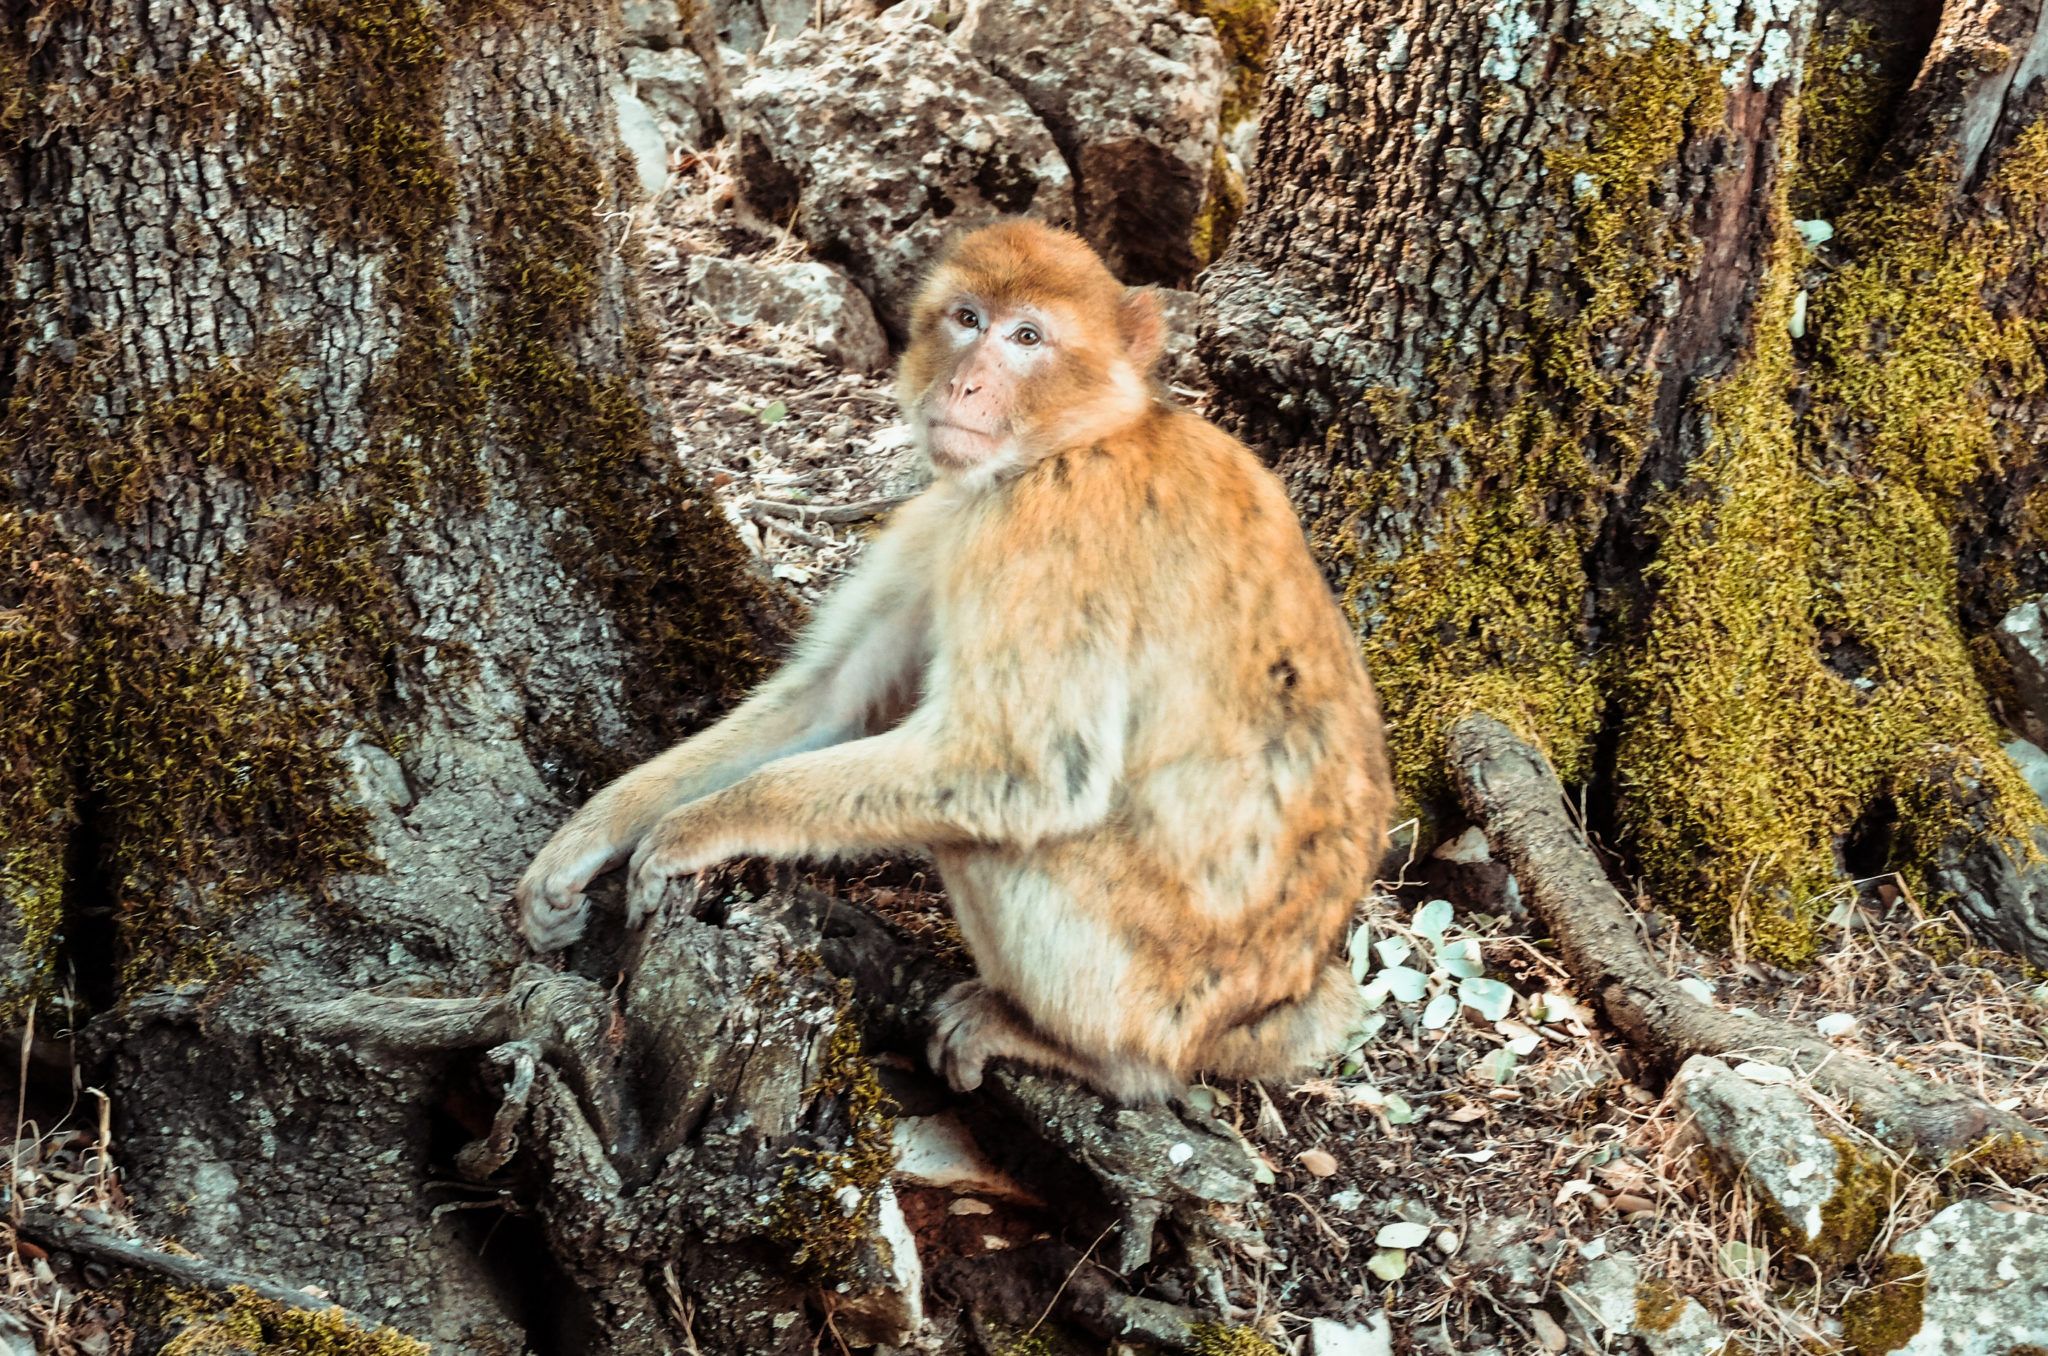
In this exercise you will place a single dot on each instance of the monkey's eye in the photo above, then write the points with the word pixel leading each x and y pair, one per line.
pixel 1027 335
pixel 966 319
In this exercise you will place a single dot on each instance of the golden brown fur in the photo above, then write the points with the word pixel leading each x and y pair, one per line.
pixel 1096 673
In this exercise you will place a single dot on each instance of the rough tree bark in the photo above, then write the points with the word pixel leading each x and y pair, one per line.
pixel 338 556
pixel 1670 387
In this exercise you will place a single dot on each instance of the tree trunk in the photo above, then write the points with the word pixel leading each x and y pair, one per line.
pixel 339 556
pixel 1675 396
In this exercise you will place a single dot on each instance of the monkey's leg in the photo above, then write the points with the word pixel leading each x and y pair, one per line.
pixel 1292 1037
pixel 973 1024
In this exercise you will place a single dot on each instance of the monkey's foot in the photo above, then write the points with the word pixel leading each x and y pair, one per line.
pixel 973 1024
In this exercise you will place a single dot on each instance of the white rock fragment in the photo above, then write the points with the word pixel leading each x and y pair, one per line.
pixel 642 136
pixel 1374 1337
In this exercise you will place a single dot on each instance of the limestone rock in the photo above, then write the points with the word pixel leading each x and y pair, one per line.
pixel 676 88
pixel 1985 1284
pixel 1374 1337
pixel 652 23
pixel 881 143
pixel 749 25
pixel 643 138
pixel 1766 1133
pixel 1131 90
pixel 1611 1299
pixel 812 300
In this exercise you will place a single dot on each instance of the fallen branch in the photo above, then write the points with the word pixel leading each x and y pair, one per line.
pixel 828 513
pixel 787 529
pixel 1510 790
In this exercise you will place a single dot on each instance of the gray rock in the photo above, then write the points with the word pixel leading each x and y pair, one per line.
pixel 1998 887
pixel 1766 1134
pixel 652 23
pixel 1611 1299
pixel 1516 1254
pixel 750 25
pixel 814 301
pixel 2032 761
pixel 642 136
pixel 1986 1282
pixel 1131 90
pixel 676 88
pixel 882 143
pixel 2023 638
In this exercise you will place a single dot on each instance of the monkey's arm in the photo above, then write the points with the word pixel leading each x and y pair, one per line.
pixel 857 664
pixel 927 782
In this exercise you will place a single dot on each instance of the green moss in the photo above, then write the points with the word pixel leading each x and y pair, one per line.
pixel 1885 1317
pixel 678 582
pixel 361 135
pixel 1659 1305
pixel 2008 1158
pixel 1215 1339
pixel 1852 78
pixel 1245 30
pixel 1867 1185
pixel 1804 662
pixel 809 1214
pixel 1486 610
pixel 181 766
pixel 263 1327
pixel 1220 212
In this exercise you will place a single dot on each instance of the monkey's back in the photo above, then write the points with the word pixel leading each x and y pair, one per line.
pixel 1251 798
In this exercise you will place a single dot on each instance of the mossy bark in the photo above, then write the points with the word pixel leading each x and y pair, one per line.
pixel 341 550
pixel 1596 433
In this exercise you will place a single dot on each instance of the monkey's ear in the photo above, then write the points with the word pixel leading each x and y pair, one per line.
pixel 1142 327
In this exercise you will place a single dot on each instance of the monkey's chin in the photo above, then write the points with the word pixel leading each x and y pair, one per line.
pixel 955 450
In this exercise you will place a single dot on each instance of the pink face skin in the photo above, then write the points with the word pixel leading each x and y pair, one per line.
pixel 971 427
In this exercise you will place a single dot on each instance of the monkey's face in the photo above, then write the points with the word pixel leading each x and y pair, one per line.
pixel 997 361
pixel 1021 346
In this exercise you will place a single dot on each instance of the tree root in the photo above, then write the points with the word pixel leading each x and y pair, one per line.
pixel 62 1233
pixel 1511 791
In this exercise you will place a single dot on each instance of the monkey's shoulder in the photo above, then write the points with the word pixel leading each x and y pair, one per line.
pixel 1171 470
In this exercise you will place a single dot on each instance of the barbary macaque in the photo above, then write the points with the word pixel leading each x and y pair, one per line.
pixel 1094 672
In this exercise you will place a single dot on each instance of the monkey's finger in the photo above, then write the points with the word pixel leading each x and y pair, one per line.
pixel 643 891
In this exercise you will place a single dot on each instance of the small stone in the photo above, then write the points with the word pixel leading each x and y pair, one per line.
pixel 1548 1334
pixel 1374 1337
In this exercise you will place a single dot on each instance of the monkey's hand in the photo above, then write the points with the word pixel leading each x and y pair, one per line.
pixel 552 910
pixel 673 851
